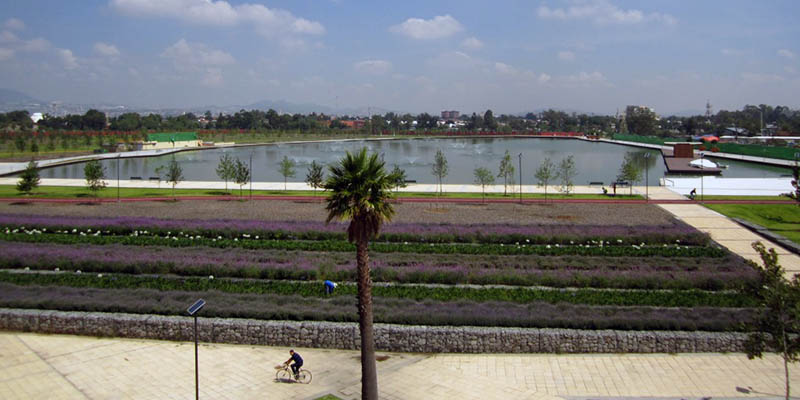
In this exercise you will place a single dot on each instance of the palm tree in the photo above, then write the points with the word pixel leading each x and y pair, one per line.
pixel 360 190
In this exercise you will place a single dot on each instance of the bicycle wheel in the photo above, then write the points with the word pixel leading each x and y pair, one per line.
pixel 283 375
pixel 304 376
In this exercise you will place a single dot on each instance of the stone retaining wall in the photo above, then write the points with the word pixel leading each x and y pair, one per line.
pixel 400 338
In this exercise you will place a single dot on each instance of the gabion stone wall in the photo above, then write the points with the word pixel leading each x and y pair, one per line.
pixel 400 338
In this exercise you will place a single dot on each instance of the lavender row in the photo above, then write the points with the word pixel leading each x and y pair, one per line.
pixel 387 310
pixel 576 271
pixel 396 232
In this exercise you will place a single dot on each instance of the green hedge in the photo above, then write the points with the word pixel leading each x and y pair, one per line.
pixel 666 298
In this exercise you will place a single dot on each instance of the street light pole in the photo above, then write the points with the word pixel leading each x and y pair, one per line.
pixel 646 177
pixel 702 175
pixel 117 178
pixel 251 175
pixel 520 178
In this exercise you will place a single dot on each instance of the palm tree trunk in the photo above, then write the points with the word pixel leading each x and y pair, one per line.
pixel 369 372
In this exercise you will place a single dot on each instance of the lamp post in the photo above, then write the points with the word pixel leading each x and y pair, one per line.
pixel 646 177
pixel 520 178
pixel 118 178
pixel 702 175
pixel 251 175
pixel 193 310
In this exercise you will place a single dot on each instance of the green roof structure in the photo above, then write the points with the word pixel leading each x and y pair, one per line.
pixel 172 137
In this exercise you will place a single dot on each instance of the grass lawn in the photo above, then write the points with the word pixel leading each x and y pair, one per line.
pixel 10 191
pixel 783 219
pixel 765 198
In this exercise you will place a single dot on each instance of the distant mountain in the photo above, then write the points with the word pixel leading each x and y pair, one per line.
pixel 686 113
pixel 10 96
pixel 283 106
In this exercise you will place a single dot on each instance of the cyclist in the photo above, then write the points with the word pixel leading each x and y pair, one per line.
pixel 298 362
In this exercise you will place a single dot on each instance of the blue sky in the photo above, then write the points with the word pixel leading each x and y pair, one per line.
pixel 510 56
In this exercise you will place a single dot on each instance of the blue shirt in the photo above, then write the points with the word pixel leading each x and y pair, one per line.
pixel 329 284
pixel 296 358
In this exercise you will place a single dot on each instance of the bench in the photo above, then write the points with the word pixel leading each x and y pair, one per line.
pixel 595 183
pixel 411 181
pixel 135 178
pixel 621 184
pixel 155 178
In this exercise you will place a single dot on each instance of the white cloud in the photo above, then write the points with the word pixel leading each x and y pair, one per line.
pixel 68 59
pixel 504 69
pixel 544 78
pixel 35 45
pixel 185 53
pixel 105 49
pixel 602 12
pixel 266 21
pixel 472 43
pixel 6 54
pixel 8 37
pixel 436 28
pixel 566 55
pixel 375 67
pixel 212 77
pixel 14 24
pixel 732 52
pixel 786 53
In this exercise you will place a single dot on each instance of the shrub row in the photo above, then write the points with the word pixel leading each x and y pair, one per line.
pixel 394 233
pixel 387 310
pixel 671 298
pixel 343 246
pixel 569 271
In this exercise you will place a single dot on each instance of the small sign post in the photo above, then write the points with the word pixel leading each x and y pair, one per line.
pixel 192 310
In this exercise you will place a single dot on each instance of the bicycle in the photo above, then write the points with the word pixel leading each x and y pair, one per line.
pixel 284 374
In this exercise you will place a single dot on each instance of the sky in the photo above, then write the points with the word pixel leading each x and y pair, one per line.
pixel 408 56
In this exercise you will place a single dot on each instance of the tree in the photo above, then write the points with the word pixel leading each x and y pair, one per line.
pixel 640 120
pixel 29 179
pixel 159 171
pixel 489 121
pixel 241 174
pixel 506 171
pixel 361 191
pixel 630 170
pixel 315 176
pixel 174 175
pixel 398 177
pixel 566 173
pixel 546 173
pixel 286 169
pixel 226 169
pixel 95 173
pixel 483 177
pixel 796 183
pixel 779 320
pixel 439 167
pixel 94 120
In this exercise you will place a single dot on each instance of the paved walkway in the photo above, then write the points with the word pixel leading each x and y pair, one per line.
pixel 61 367
pixel 724 231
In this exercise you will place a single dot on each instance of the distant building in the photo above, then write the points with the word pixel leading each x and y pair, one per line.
pixel 169 140
pixel 36 117
pixel 450 115
pixel 354 124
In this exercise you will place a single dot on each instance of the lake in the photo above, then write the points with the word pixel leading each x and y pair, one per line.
pixel 595 161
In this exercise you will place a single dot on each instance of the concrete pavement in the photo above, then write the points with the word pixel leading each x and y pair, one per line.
pixel 34 366
pixel 724 231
